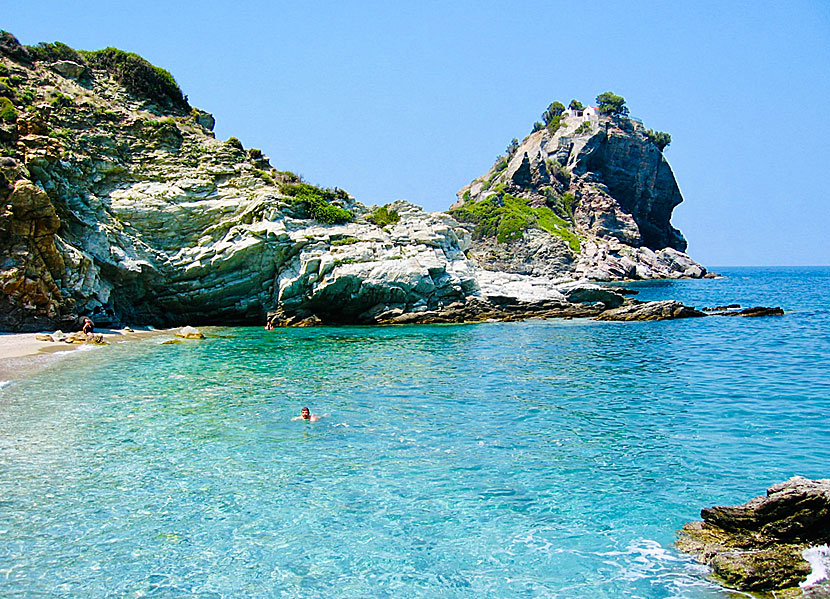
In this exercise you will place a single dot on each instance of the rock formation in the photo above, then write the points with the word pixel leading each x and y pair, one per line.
pixel 590 197
pixel 759 546
pixel 117 201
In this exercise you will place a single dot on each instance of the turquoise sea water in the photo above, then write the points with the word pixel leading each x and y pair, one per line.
pixel 537 459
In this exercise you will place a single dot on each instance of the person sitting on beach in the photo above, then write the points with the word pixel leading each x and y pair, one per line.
pixel 305 414
pixel 88 327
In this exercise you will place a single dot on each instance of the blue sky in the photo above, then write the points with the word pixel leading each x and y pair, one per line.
pixel 413 100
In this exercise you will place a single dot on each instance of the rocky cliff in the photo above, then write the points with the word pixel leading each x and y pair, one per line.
pixel 117 201
pixel 590 195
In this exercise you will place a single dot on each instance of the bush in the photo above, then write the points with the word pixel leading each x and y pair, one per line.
pixel 658 138
pixel 585 127
pixel 140 78
pixel 317 202
pixel 7 110
pixel 62 101
pixel 383 215
pixel 576 105
pixel 4 71
pixel 53 52
pixel 235 143
pixel 254 153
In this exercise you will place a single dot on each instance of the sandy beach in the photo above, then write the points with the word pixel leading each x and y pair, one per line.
pixel 21 354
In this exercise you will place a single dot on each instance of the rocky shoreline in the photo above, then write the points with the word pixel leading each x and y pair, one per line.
pixel 762 546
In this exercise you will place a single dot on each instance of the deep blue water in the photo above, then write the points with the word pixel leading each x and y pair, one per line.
pixel 537 459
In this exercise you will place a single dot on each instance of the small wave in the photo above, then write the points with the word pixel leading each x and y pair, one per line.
pixel 819 559
pixel 4 384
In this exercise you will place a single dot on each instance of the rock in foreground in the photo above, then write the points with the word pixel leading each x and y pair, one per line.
pixel 758 546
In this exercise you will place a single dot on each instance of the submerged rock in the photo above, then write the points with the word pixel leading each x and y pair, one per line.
pixel 759 545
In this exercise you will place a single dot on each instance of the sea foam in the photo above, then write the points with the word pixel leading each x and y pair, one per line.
pixel 819 559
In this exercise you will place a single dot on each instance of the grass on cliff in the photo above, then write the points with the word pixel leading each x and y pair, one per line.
pixel 507 218
pixel 318 203
pixel 383 215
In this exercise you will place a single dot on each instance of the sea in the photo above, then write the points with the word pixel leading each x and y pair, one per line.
pixel 548 459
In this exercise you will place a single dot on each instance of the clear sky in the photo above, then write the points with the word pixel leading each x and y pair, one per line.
pixel 413 100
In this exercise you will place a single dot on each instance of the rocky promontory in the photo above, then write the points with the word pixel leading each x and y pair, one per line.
pixel 118 202
pixel 768 543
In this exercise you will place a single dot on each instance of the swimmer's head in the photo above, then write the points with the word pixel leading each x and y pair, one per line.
pixel 306 414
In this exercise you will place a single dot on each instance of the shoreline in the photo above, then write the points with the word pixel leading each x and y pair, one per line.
pixel 22 355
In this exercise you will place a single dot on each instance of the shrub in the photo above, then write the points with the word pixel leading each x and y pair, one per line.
pixel 235 143
pixel 658 138
pixel 383 215
pixel 317 202
pixel 62 101
pixel 140 78
pixel 53 52
pixel 512 147
pixel 4 71
pixel 585 127
pixel 576 105
pixel 26 97
pixel 254 153
pixel 7 110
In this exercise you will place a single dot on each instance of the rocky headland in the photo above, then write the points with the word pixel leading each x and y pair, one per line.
pixel 117 201
pixel 771 544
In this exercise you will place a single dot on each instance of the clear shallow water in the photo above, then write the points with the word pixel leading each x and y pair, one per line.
pixel 538 459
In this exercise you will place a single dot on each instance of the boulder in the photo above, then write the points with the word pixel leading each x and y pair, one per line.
pixel 189 333
pixel 43 337
pixel 760 545
pixel 586 293
pixel 69 68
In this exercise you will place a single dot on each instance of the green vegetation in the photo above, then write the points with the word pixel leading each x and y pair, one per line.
pixel 140 77
pixel 552 117
pixel 26 97
pixel 8 112
pixel 383 215
pixel 576 105
pixel 345 241
pixel 317 202
pixel 658 138
pixel 265 176
pixel 62 101
pixel 4 71
pixel 585 127
pixel 53 52
pixel 255 154
pixel 512 147
pixel 612 105
pixel 507 217
pixel 235 143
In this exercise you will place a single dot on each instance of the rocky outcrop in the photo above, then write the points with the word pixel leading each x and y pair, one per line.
pixel 760 545
pixel 117 201
pixel 659 310
pixel 592 199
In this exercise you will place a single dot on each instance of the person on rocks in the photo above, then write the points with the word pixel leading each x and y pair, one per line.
pixel 269 325
pixel 305 414
pixel 88 328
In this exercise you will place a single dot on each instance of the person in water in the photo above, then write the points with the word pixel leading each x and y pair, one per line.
pixel 305 414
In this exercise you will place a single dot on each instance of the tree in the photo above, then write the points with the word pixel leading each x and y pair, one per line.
pixel 659 138
pixel 514 145
pixel 554 110
pixel 576 105
pixel 611 104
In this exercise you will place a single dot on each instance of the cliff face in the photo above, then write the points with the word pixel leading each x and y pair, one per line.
pixel 119 202
pixel 594 198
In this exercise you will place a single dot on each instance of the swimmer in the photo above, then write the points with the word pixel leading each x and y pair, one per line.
pixel 305 414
